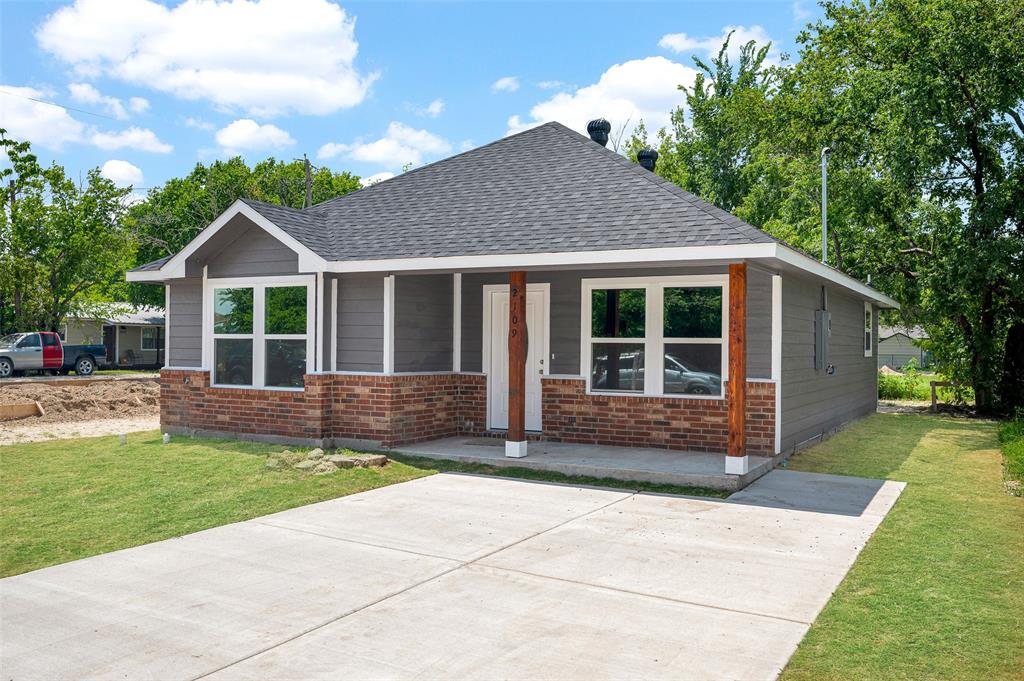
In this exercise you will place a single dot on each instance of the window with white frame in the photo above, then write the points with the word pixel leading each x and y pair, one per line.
pixel 262 333
pixel 655 336
pixel 149 337
pixel 868 330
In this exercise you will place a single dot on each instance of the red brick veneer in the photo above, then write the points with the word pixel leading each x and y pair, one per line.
pixel 402 409
pixel 571 415
pixel 390 410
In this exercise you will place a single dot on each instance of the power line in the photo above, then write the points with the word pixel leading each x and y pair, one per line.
pixel 60 106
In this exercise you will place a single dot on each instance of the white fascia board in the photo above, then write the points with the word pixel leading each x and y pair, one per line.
pixel 513 260
pixel 175 267
pixel 812 266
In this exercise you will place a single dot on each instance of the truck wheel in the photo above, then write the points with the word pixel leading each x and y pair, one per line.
pixel 84 366
pixel 6 368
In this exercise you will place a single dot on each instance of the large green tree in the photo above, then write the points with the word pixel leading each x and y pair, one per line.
pixel 61 243
pixel 175 212
pixel 920 102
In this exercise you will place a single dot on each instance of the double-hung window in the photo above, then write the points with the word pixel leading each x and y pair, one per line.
pixel 262 332
pixel 149 337
pixel 655 335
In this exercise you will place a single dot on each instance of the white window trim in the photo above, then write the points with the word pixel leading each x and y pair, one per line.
pixel 868 333
pixel 259 286
pixel 654 339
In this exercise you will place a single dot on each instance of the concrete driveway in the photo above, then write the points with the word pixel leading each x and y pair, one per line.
pixel 457 576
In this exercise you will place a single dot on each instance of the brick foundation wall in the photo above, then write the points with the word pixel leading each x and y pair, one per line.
pixel 571 415
pixel 403 409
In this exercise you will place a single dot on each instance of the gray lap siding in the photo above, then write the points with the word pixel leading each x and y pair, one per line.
pixel 814 402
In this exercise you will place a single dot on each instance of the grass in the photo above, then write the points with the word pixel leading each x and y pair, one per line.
pixel 64 500
pixel 72 499
pixel 1011 437
pixel 938 592
pixel 913 385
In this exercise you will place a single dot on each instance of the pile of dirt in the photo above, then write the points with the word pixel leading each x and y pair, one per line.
pixel 87 401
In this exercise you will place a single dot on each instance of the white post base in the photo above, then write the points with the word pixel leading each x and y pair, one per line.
pixel 737 465
pixel 515 450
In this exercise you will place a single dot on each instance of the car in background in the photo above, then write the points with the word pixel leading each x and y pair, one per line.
pixel 679 378
pixel 44 351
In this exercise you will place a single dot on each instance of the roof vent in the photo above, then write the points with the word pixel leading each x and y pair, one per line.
pixel 647 158
pixel 598 130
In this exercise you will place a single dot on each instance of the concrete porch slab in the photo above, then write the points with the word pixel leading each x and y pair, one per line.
pixel 663 466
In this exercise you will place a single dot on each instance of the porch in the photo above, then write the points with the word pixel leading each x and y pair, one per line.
pixel 637 464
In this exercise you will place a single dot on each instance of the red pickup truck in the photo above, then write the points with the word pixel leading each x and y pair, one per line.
pixel 44 351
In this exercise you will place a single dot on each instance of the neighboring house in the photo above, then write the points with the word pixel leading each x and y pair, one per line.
pixel 133 336
pixel 398 313
pixel 898 345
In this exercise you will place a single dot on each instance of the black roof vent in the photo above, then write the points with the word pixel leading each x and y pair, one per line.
pixel 647 158
pixel 598 130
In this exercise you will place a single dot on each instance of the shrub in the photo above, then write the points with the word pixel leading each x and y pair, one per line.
pixel 1011 439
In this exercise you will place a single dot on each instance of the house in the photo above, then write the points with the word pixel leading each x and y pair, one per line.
pixel 541 286
pixel 898 345
pixel 133 336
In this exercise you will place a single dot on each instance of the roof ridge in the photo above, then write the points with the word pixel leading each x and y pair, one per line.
pixel 667 186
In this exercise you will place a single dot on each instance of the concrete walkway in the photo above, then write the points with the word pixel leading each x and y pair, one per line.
pixel 456 577
pixel 665 466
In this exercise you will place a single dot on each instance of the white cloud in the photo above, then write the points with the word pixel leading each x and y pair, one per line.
pixel 198 123
pixel 138 104
pixel 44 125
pixel 87 94
pixel 268 57
pixel 246 134
pixel 142 139
pixel 434 109
pixel 122 173
pixel 552 85
pixel 506 84
pixel 625 94
pixel 682 43
pixel 375 178
pixel 400 145
pixel 50 126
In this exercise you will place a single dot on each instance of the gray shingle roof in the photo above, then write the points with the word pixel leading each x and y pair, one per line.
pixel 545 190
pixel 154 265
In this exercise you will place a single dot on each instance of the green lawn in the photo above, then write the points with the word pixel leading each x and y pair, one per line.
pixel 938 593
pixel 69 499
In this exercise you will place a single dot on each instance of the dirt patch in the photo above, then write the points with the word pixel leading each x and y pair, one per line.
pixel 86 402
pixel 29 430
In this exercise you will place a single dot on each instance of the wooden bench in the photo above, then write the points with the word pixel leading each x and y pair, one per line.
pixel 935 396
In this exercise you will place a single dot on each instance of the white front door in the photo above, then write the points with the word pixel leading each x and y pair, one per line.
pixel 496 347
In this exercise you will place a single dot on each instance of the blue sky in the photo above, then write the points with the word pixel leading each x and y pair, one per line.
pixel 359 86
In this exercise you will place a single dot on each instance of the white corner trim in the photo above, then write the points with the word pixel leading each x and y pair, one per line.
pixel 457 322
pixel 318 325
pixel 515 450
pixel 389 324
pixel 167 324
pixel 737 465
pixel 334 324
pixel 777 356
pixel 175 267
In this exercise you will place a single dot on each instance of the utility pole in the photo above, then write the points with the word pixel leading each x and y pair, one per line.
pixel 309 183
pixel 824 204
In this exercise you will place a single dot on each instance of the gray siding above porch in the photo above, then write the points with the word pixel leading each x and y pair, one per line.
pixel 423 322
pixel 361 322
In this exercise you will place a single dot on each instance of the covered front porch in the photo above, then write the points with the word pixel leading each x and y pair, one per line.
pixel 629 464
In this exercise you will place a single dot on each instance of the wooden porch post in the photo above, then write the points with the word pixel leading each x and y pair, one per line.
pixel 736 455
pixel 515 442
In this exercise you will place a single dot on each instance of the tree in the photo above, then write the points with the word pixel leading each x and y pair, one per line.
pixel 921 104
pixel 174 213
pixel 60 242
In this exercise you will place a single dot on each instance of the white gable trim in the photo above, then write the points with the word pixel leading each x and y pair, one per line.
pixel 175 267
